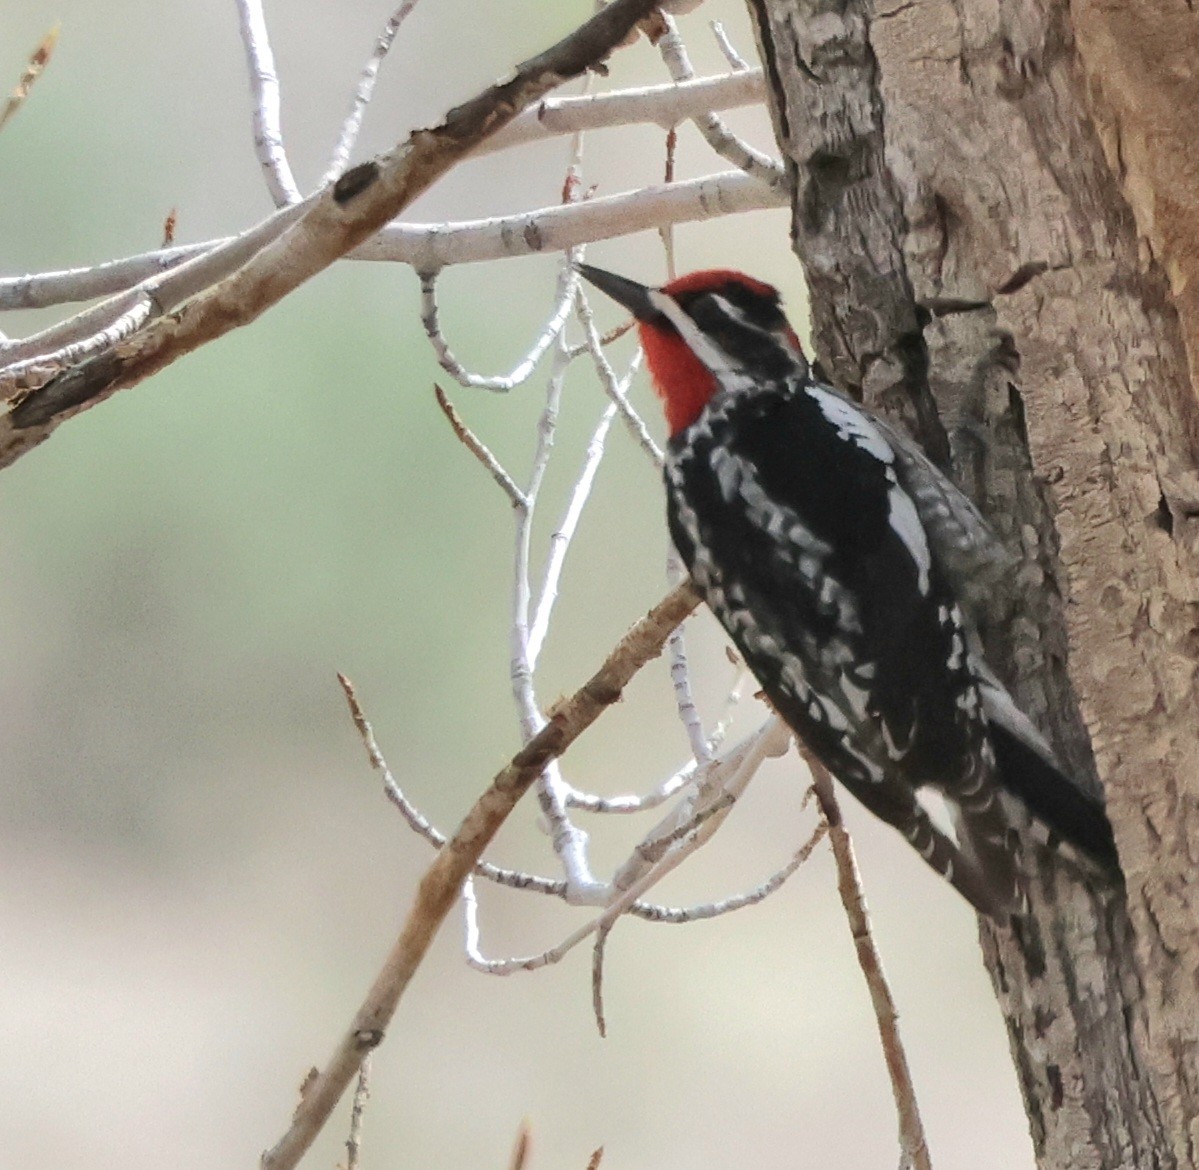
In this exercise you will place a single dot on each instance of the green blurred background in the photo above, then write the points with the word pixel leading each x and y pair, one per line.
pixel 198 873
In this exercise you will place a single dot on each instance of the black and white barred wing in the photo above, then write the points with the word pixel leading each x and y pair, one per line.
pixel 787 508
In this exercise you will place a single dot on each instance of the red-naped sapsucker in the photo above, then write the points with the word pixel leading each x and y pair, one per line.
pixel 845 567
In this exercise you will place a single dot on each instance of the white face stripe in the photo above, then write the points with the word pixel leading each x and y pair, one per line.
pixel 729 309
pixel 697 341
pixel 704 348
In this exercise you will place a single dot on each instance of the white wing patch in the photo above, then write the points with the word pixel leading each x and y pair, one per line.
pixel 852 424
pixel 905 522
pixel 855 427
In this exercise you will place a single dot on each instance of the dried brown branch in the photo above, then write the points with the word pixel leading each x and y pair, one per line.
pixel 38 61
pixel 520 1150
pixel 479 449
pixel 331 222
pixel 442 882
pixel 849 885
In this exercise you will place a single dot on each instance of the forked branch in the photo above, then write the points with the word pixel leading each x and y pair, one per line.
pixel 440 887
pixel 328 224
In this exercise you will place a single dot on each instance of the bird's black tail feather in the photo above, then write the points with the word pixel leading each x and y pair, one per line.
pixel 1070 813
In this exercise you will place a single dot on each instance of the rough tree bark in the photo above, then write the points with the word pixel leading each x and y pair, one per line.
pixel 993 210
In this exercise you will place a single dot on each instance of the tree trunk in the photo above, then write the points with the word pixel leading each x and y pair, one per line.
pixel 1000 257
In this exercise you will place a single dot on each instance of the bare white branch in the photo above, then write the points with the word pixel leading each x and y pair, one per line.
pixel 44 289
pixel 680 674
pixel 741 67
pixel 662 105
pixel 430 318
pixel 167 290
pixel 264 86
pixel 473 948
pixel 677 915
pixel 125 324
pixel 563 226
pixel 613 386
pixel 717 135
pixel 684 700
pixel 562 536
pixel 633 803
pixel 588 802
pixel 569 842
pixel 429 247
pixel 364 92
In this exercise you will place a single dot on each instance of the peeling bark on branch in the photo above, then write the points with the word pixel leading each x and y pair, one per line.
pixel 976 268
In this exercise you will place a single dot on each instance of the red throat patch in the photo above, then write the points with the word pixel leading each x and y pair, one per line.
pixel 680 378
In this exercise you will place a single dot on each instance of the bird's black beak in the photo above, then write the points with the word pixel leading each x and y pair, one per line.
pixel 630 294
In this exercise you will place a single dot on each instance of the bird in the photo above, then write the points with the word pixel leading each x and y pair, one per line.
pixel 849 571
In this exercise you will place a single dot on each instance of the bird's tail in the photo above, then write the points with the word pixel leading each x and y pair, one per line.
pixel 1028 769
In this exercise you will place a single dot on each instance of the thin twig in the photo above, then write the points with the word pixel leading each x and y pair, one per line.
pixel 562 536
pixel 713 128
pixel 520 1149
pixel 912 1141
pixel 420 824
pixel 364 92
pixel 606 339
pixel 631 803
pixel 337 219
pixel 362 1092
pixel 666 232
pixel 741 67
pixel 430 319
pixel 598 951
pixel 570 843
pixel 615 388
pixel 680 676
pixel 730 905
pixel 38 60
pixel 479 450
pixel 264 86
pixel 442 883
